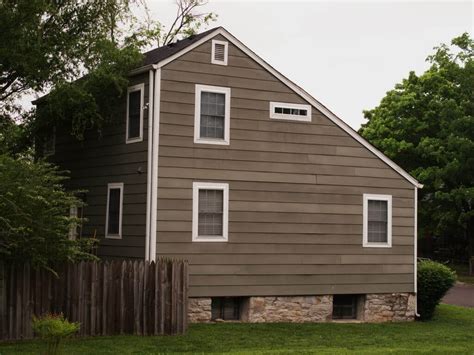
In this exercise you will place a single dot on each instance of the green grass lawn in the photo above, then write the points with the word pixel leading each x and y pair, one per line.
pixel 452 331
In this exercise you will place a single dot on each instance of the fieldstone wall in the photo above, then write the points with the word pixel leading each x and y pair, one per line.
pixel 389 307
pixel 288 309
pixel 199 310
pixel 374 308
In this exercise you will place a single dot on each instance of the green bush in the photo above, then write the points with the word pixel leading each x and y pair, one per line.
pixel 53 328
pixel 34 215
pixel 434 280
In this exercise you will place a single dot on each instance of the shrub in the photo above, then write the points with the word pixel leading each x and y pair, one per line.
pixel 53 328
pixel 34 215
pixel 434 280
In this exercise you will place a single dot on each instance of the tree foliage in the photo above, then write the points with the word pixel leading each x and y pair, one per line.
pixel 48 44
pixel 34 215
pixel 426 125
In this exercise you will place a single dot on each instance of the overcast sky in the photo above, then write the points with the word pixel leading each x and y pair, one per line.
pixel 347 54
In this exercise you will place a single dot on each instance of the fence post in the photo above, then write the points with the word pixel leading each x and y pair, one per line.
pixel 3 301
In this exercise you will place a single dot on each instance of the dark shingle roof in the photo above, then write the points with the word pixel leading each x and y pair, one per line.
pixel 158 54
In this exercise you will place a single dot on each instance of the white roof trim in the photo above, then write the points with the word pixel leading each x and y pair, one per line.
pixel 339 122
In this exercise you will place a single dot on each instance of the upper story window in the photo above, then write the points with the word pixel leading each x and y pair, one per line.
pixel 113 220
pixel 377 224
pixel 49 143
pixel 212 115
pixel 210 212
pixel 287 111
pixel 135 98
pixel 219 52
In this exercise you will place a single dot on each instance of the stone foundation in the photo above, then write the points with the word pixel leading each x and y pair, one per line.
pixel 389 307
pixel 199 310
pixel 288 309
pixel 374 308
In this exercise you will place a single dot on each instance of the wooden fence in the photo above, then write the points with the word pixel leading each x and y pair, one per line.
pixel 111 297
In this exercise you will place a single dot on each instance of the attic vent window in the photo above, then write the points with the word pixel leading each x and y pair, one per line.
pixel 219 52
pixel 287 111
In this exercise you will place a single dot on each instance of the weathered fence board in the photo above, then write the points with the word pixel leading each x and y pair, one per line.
pixel 107 298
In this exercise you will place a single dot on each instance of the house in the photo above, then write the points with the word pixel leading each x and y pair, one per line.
pixel 284 212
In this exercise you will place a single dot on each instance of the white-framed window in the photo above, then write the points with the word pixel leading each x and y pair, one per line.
pixel 75 229
pixel 49 143
pixel 135 105
pixel 219 52
pixel 287 111
pixel 113 220
pixel 212 115
pixel 377 224
pixel 210 212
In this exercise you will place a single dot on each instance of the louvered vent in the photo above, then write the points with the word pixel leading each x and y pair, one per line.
pixel 219 52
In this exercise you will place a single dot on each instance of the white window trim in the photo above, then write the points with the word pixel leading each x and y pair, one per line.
pixel 366 242
pixel 225 218
pixel 197 115
pixel 73 226
pixel 284 116
pixel 50 139
pixel 226 51
pixel 141 88
pixel 110 186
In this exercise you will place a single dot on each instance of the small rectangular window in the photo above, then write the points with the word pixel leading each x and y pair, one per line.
pixel 288 111
pixel 212 115
pixel 344 307
pixel 49 143
pixel 377 223
pixel 219 52
pixel 226 308
pixel 210 212
pixel 135 98
pixel 75 229
pixel 113 223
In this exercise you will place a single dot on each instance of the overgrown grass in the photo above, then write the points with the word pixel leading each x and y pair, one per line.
pixel 451 331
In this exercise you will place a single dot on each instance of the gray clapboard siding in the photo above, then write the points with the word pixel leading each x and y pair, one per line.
pixel 180 182
pixel 284 290
pixel 103 159
pixel 295 192
pixel 285 238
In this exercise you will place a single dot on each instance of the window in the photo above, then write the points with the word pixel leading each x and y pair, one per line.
pixel 344 306
pixel 377 225
pixel 135 104
pixel 210 212
pixel 49 143
pixel 285 111
pixel 226 308
pixel 212 115
pixel 219 52
pixel 113 223
pixel 75 229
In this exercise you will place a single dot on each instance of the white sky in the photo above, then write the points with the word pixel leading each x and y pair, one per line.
pixel 347 54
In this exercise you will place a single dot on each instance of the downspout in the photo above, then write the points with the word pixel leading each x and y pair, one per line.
pixel 155 154
pixel 149 164
pixel 415 265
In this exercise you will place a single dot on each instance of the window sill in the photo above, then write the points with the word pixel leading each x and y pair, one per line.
pixel 113 237
pixel 134 140
pixel 377 245
pixel 211 141
pixel 210 239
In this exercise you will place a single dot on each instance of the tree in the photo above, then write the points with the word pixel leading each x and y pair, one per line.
pixel 426 125
pixel 84 50
pixel 34 215
pixel 50 44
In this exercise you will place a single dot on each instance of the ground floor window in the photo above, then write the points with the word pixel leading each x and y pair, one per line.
pixel 345 306
pixel 226 308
